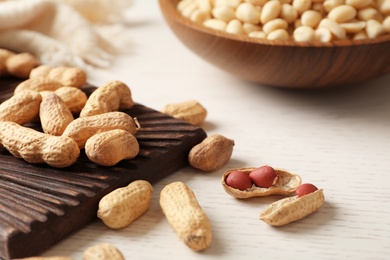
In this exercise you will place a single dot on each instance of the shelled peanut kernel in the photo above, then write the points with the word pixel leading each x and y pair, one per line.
pixel 297 20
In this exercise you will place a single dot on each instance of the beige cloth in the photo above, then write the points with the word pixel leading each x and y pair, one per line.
pixel 62 32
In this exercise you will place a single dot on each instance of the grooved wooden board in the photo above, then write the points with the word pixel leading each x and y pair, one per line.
pixel 40 205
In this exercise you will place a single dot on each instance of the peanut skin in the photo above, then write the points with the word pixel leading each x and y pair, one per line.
pixel 112 96
pixel 109 148
pixel 21 108
pixel 184 214
pixel 122 206
pixel 239 180
pixel 264 176
pixel 67 76
pixel 55 116
pixel 305 188
pixel 82 128
pixel 37 147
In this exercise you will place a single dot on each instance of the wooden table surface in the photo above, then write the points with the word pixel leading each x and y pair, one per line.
pixel 337 139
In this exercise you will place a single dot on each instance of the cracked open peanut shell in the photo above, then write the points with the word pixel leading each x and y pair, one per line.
pixel 286 184
pixel 291 209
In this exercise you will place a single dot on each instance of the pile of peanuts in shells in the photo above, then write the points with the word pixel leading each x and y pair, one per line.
pixel 297 20
pixel 71 121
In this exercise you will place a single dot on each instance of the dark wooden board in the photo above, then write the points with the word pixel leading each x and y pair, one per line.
pixel 41 205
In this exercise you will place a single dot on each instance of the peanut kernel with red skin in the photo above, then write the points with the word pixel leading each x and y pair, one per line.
pixel 239 180
pixel 264 176
pixel 305 189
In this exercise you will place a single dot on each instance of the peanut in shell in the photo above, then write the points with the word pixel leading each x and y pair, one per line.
pixel 67 76
pixel 73 97
pixel 21 108
pixel 110 147
pixel 286 184
pixel 190 111
pixel 103 251
pixel 123 206
pixel 212 153
pixel 112 96
pixel 46 258
pixel 37 84
pixel 4 56
pixel 37 147
pixel 82 128
pixel 291 209
pixel 54 114
pixel 185 215
pixel 21 64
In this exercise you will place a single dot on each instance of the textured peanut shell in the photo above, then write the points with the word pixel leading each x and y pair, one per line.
pixel 184 214
pixel 190 111
pixel 122 206
pixel 102 251
pixel 212 153
pixel 40 72
pixel 68 76
pixel 44 93
pixel 112 96
pixel 286 184
pixel 4 55
pixel 290 209
pixel 21 108
pixel 82 128
pixel 110 147
pixel 38 147
pixel 38 84
pixel 74 98
pixel 54 114
pixel 21 64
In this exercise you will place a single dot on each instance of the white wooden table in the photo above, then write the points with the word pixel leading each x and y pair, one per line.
pixel 337 139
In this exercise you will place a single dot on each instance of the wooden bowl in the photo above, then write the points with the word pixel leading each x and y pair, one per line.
pixel 283 63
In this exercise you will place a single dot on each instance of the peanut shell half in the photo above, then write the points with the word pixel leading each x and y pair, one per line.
pixel 290 209
pixel 286 184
